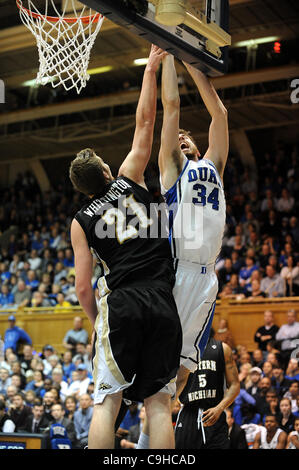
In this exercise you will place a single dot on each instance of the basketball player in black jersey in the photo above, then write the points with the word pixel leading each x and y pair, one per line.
pixel 201 423
pixel 137 327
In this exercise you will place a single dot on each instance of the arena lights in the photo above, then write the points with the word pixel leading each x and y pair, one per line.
pixel 277 47
pixel 255 42
pixel 141 61
pixel 97 70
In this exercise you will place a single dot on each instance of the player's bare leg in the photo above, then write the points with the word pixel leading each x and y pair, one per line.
pixel 102 432
pixel 181 380
pixel 158 416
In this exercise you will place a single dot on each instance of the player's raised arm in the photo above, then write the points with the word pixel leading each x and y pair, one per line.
pixel 136 161
pixel 170 155
pixel 84 271
pixel 218 133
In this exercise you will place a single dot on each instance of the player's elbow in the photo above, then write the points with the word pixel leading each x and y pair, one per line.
pixel 221 112
pixel 83 289
pixel 171 102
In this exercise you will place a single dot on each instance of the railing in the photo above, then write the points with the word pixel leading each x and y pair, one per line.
pixel 48 325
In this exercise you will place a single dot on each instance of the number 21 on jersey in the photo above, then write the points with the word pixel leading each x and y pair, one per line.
pixel 117 217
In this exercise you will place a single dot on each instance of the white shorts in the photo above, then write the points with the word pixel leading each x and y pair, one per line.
pixel 195 294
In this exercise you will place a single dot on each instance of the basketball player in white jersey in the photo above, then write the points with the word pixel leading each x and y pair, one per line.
pixel 193 185
pixel 270 436
pixel 193 189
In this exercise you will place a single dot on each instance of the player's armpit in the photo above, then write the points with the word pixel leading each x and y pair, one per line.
pixel 170 155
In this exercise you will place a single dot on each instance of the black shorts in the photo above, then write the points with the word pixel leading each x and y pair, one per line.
pixel 138 342
pixel 188 436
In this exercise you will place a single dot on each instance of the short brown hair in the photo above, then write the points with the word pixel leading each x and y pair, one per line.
pixel 188 133
pixel 86 173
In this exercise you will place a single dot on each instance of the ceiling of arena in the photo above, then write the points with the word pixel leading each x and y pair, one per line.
pixel 40 123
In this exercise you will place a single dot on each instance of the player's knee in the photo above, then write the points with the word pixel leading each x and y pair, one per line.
pixel 157 404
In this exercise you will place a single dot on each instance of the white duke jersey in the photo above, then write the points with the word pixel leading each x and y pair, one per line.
pixel 197 212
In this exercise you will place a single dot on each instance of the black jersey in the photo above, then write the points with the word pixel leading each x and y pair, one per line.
pixel 205 387
pixel 121 232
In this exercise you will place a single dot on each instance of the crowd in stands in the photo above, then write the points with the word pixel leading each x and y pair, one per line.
pixel 259 256
pixel 40 390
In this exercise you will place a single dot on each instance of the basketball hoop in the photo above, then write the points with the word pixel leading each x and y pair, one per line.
pixel 64 43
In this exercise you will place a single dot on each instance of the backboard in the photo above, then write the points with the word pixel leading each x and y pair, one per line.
pixel 202 38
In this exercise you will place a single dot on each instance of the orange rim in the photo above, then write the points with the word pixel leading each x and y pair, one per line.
pixel 84 19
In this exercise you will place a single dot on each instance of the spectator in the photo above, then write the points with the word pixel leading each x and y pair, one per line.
pixel 34 260
pixel 16 369
pixel 22 294
pixel 57 377
pixel 292 394
pixel 61 302
pixel 237 436
pixel 67 365
pixel 244 375
pixel 246 272
pixel 264 256
pixel 272 357
pixel 37 383
pixel 10 393
pixel 286 419
pixel 288 334
pixel 258 358
pixel 290 275
pixel 255 377
pixel 293 437
pixel 270 437
pixel 267 369
pixel 294 226
pixel 260 397
pixel 6 297
pixel 19 412
pixel 54 361
pixel 272 285
pixel 134 432
pixel 57 413
pixel 60 272
pixel 79 387
pixel 77 335
pixel 48 351
pixel 82 419
pixel 256 291
pixel 5 380
pixel 6 424
pixel 37 422
pixel 32 282
pixel 292 372
pixel 26 357
pixel 285 203
pixel 38 300
pixel 70 406
pixel 278 381
pixel 15 335
pixel 267 332
pixel 48 384
pixel 131 418
pixel 225 273
pixel 30 398
pixel 55 390
pixel 48 401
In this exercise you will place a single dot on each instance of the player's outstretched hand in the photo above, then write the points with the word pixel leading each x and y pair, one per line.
pixel 155 58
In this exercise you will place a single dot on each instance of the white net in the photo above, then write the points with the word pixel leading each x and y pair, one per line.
pixel 64 43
